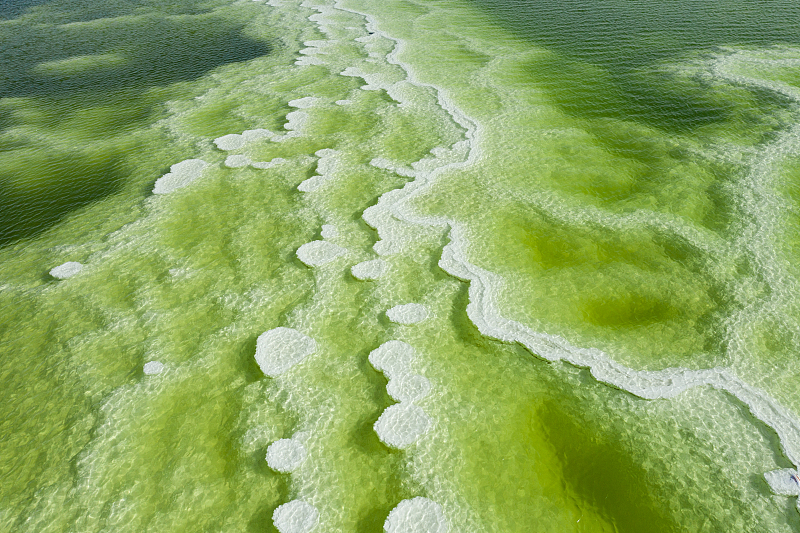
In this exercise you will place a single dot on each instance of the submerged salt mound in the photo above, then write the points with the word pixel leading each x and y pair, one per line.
pixel 417 515
pixel 285 455
pixel 407 314
pixel 401 424
pixel 153 367
pixel 66 270
pixel 369 270
pixel 279 349
pixel 296 516
pixel 408 387
pixel 781 482
pixel 393 358
pixel 318 253
pixel 179 175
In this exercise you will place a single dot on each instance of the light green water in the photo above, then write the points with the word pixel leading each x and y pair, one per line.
pixel 625 187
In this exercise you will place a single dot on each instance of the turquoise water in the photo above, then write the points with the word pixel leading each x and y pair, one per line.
pixel 591 208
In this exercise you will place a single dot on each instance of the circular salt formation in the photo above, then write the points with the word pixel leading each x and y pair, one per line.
pixel 318 253
pixel 392 358
pixel 180 175
pixel 417 515
pixel 153 367
pixel 296 516
pixel 230 142
pixel 369 270
pixel 67 270
pixel 237 161
pixel 407 313
pixel 279 349
pixel 401 425
pixel 408 387
pixel 285 455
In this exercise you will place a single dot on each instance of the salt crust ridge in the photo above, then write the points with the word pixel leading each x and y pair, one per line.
pixel 295 516
pixel 417 515
pixel 279 349
pixel 484 286
pixel 66 270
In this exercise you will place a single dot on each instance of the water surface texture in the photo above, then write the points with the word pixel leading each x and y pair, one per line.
pixel 513 265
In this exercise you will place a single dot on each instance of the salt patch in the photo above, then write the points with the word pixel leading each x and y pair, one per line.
pixel 318 253
pixel 67 270
pixel 153 367
pixel 237 161
pixel 393 358
pixel 329 231
pixel 408 387
pixel 279 349
pixel 285 455
pixel 233 141
pixel 407 313
pixel 344 102
pixel 781 482
pixel 369 270
pixel 254 135
pixel 417 515
pixel 179 175
pixel 401 424
pixel 311 184
pixel 296 516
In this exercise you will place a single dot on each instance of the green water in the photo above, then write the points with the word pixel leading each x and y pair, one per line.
pixel 618 176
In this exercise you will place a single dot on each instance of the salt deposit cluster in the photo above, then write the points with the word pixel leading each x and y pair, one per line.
pixel 401 424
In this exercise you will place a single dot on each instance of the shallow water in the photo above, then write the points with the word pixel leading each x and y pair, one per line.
pixel 596 206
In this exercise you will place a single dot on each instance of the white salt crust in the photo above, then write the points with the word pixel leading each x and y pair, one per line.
pixel 179 175
pixel 153 367
pixel 237 161
pixel 296 516
pixel 279 349
pixel 233 141
pixel 369 270
pixel 285 455
pixel 780 481
pixel 417 515
pixel 318 253
pixel 408 387
pixel 393 358
pixel 66 270
pixel 401 424
pixel 484 288
pixel 407 314
pixel 329 231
